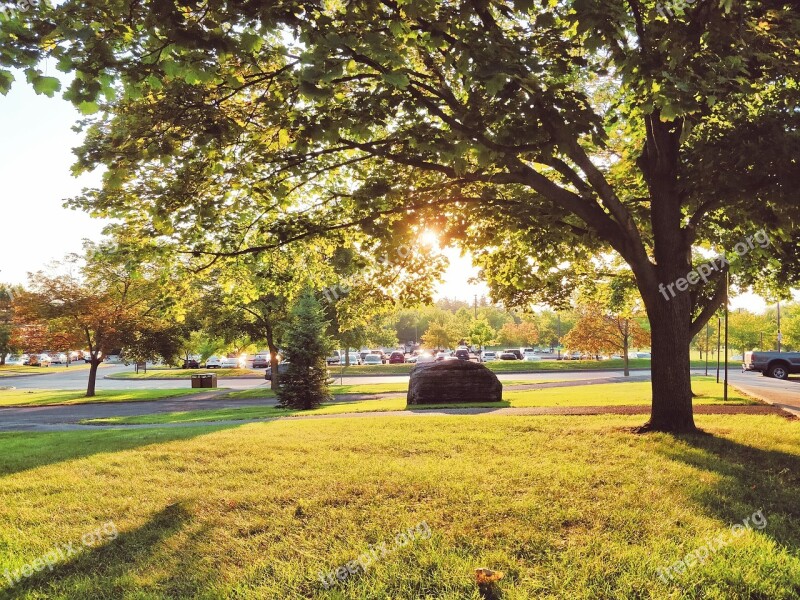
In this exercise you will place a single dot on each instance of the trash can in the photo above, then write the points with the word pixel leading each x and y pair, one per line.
pixel 204 380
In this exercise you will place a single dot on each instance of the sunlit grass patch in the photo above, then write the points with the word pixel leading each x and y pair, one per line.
pixel 566 507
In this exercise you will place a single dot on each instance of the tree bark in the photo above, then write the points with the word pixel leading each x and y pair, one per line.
pixel 90 389
pixel 671 410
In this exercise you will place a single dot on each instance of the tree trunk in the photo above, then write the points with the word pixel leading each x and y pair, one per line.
pixel 275 382
pixel 671 410
pixel 90 389
pixel 2 359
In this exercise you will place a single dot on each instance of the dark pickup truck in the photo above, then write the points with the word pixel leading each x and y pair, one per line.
pixel 772 364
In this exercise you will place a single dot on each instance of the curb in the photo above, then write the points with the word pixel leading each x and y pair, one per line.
pixel 793 410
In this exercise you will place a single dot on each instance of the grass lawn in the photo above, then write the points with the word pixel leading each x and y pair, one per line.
pixel 611 394
pixel 514 366
pixel 619 394
pixel 165 373
pixel 17 370
pixel 566 507
pixel 44 397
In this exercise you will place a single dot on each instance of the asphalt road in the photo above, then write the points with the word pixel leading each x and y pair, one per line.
pixel 76 380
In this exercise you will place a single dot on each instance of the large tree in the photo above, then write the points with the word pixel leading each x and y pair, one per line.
pixel 534 133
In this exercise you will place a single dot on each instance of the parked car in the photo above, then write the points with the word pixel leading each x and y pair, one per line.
pixel 334 359
pixel 397 358
pixel 57 358
pixel 213 362
pixel 373 359
pixel 37 360
pixel 440 356
pixel 422 358
pixel 462 354
pixel 191 364
pixel 489 356
pixel 261 361
pixel 645 355
pixel 511 354
pixel 531 356
pixel 14 360
pixel 772 364
pixel 282 368
pixel 354 358
pixel 230 362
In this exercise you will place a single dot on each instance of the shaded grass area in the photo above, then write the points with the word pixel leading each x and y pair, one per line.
pixel 611 394
pixel 19 370
pixel 258 511
pixel 45 397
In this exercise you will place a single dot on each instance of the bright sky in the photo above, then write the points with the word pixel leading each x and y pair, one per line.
pixel 35 229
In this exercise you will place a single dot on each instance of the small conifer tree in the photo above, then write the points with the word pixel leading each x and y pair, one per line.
pixel 305 383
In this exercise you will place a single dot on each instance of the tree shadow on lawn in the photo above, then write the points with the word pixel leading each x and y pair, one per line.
pixel 23 451
pixel 101 571
pixel 752 479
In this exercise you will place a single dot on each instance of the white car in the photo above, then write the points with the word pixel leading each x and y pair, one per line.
pixel 531 356
pixel 373 359
pixel 425 357
pixel 213 362
pixel 355 358
pixel 230 362
pixel 488 356
pixel 14 360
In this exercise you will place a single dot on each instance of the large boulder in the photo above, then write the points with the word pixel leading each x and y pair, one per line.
pixel 453 381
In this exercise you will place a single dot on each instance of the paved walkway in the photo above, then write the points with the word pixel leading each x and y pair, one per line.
pixel 67 417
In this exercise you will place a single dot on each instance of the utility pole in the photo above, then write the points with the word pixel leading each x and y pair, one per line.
pixel 476 306
pixel 719 349
pixel 780 336
pixel 727 292
pixel 558 335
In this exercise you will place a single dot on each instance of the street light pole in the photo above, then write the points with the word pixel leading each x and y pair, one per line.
pixel 558 335
pixel 779 327
pixel 719 333
pixel 727 292
pixel 707 335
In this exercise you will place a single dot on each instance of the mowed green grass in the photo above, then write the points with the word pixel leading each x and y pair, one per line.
pixel 45 397
pixel 165 373
pixel 511 366
pixel 566 507
pixel 610 394
pixel 18 370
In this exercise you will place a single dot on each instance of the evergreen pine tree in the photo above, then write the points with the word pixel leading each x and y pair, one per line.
pixel 305 383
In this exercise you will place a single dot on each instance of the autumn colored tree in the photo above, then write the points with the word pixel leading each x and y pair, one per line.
pixel 599 331
pixel 6 313
pixel 437 336
pixel 525 333
pixel 110 308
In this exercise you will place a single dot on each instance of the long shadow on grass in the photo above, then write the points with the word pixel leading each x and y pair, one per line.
pixel 94 572
pixel 751 479
pixel 22 451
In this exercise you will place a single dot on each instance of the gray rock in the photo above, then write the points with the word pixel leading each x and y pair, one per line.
pixel 453 381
